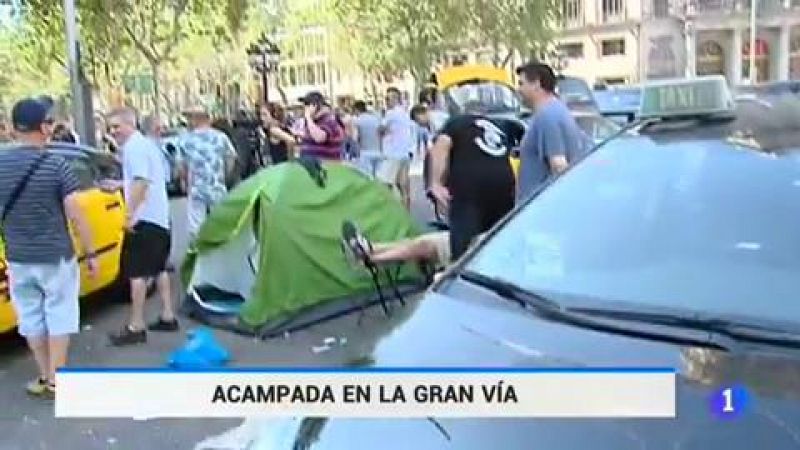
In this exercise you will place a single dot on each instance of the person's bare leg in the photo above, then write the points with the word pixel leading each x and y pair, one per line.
pixel 41 354
pixel 405 193
pixel 410 250
pixel 58 347
pixel 165 292
pixel 138 297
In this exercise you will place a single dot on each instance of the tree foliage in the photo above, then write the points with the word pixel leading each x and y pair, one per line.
pixel 395 35
pixel 522 27
pixel 116 35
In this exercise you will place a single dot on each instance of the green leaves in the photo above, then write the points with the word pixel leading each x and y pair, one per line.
pixel 390 35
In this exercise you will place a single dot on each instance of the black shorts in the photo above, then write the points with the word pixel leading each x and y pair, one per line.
pixel 145 251
pixel 469 218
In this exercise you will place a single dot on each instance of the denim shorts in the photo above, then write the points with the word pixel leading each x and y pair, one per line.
pixel 46 297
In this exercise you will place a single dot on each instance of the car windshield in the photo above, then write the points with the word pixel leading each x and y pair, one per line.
pixel 689 215
pixel 618 99
pixel 485 96
pixel 598 127
pixel 574 90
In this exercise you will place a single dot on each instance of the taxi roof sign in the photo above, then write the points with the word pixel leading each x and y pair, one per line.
pixel 700 96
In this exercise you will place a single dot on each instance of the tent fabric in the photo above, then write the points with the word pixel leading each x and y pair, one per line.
pixel 275 240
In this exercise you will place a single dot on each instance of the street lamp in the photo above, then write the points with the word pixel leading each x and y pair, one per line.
pixel 264 57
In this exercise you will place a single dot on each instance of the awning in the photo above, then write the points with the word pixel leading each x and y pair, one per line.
pixel 762 48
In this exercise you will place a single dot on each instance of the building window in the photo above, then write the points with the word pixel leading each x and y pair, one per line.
pixel 311 77
pixel 613 47
pixel 573 13
pixel 613 9
pixel 292 76
pixel 613 81
pixel 661 8
pixel 710 59
pixel 794 55
pixel 572 50
pixel 323 75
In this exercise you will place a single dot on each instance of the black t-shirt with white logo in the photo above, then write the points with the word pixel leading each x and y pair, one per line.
pixel 479 156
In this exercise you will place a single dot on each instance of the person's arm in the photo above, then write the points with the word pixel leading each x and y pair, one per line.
pixel 439 154
pixel 282 135
pixel 230 155
pixel 554 147
pixel 70 190
pixel 383 128
pixel 137 191
pixel 314 131
pixel 354 134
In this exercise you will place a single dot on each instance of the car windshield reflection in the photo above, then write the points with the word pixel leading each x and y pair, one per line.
pixel 485 96
pixel 708 224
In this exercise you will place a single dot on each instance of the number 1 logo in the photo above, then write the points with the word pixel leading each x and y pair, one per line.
pixel 728 404
pixel 729 401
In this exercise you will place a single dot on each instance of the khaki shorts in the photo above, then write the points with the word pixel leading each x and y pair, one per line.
pixel 441 242
pixel 394 172
pixel 45 297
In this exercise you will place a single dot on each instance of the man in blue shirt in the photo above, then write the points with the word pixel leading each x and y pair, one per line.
pixel 553 139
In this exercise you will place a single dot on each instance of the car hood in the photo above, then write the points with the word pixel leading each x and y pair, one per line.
pixel 485 331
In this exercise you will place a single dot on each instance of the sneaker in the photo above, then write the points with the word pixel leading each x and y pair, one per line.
pixel 49 391
pixel 164 325
pixel 36 387
pixel 126 336
pixel 355 244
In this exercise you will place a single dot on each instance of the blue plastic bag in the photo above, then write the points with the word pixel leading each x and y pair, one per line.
pixel 201 350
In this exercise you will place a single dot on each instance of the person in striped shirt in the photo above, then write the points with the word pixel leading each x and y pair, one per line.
pixel 39 197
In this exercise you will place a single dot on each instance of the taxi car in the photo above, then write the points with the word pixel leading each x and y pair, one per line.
pixel 677 248
pixel 106 216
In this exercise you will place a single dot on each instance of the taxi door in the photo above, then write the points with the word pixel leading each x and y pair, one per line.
pixel 105 214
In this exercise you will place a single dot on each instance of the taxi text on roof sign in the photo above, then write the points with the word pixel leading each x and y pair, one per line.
pixel 686 97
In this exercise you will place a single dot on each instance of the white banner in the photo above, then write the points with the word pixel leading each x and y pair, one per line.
pixel 399 393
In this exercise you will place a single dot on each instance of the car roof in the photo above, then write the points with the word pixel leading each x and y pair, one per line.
pixel 770 127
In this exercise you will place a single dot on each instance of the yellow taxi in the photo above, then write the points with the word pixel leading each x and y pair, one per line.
pixel 106 215
pixel 490 86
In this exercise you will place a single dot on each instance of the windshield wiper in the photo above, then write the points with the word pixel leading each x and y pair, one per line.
pixel 552 310
pixel 735 329
pixel 512 292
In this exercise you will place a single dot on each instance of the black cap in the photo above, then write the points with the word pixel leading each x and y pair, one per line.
pixel 313 98
pixel 28 115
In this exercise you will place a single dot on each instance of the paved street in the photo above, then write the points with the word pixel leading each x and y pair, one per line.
pixel 27 423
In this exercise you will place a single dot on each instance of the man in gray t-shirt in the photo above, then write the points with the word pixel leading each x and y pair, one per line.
pixel 368 138
pixel 553 139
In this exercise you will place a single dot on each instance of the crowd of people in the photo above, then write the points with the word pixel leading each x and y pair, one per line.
pixel 467 173
pixel 471 178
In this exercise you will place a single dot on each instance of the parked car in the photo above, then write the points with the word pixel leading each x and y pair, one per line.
pixel 619 103
pixel 171 149
pixel 577 94
pixel 105 212
pixel 654 251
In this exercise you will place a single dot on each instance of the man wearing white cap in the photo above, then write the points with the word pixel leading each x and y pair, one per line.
pixel 208 156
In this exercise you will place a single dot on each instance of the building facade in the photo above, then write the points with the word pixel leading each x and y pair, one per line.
pixel 719 33
pixel 600 40
pixel 619 41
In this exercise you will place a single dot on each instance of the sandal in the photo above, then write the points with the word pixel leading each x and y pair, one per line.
pixel 36 387
pixel 355 245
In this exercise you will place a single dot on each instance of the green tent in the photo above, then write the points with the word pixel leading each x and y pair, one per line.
pixel 271 251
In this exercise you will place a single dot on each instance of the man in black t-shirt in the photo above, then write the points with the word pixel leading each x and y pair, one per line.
pixel 478 188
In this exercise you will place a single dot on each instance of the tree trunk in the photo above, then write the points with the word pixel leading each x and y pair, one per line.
pixel 155 71
pixel 508 58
